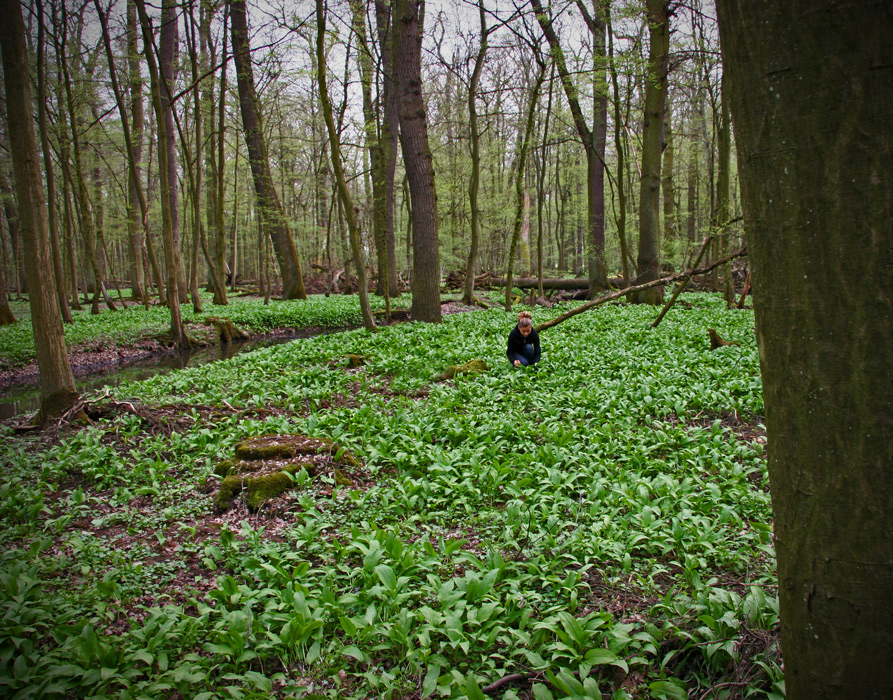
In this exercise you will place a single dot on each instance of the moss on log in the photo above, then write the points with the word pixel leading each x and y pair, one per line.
pixel 470 367
pixel 264 467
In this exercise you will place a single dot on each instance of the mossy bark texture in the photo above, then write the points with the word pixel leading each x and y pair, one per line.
pixel 811 90
pixel 265 466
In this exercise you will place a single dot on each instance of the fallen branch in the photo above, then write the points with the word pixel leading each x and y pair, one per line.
pixel 638 288
pixel 682 285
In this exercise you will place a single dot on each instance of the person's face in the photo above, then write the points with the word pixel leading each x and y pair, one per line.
pixel 525 330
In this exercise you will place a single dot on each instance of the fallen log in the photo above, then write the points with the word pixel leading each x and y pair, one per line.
pixel 552 283
pixel 637 288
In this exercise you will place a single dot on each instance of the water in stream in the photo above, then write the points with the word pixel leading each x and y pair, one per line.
pixel 16 400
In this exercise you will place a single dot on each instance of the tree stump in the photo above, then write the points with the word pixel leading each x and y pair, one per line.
pixel 266 466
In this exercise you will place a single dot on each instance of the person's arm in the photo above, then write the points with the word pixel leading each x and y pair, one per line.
pixel 536 347
pixel 512 345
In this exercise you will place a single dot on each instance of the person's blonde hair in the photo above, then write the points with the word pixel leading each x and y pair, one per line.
pixel 525 319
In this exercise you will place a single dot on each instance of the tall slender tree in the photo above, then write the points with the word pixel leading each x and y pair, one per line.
pixel 49 169
pixel 353 225
pixel 165 145
pixel 56 379
pixel 594 139
pixel 648 260
pixel 269 206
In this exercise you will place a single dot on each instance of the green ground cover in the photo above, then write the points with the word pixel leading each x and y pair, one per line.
pixel 121 328
pixel 597 527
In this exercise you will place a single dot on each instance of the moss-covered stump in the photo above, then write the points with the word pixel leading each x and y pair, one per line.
pixel 470 367
pixel 266 466
pixel 354 361
pixel 227 331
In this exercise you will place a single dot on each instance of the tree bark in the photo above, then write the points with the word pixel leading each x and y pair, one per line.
pixel 56 379
pixel 418 160
pixel 56 248
pixel 353 225
pixel 593 139
pixel 269 207
pixel 811 95
pixel 648 260
pixel 475 179
pixel 178 330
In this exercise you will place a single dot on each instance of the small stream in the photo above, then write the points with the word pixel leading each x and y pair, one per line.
pixel 25 398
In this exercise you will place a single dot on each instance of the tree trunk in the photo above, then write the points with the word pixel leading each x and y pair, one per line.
pixel 56 248
pixel 178 330
pixel 80 183
pixel 168 61
pixel 723 183
pixel 475 179
pixel 215 249
pixel 135 207
pixel 56 380
pixel 621 158
pixel 418 160
pixel 520 170
pixel 7 317
pixel 268 204
pixel 593 139
pixel 378 167
pixel 811 95
pixel 648 260
pixel 353 225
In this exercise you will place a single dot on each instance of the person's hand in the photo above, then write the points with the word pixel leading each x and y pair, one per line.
pixel 517 363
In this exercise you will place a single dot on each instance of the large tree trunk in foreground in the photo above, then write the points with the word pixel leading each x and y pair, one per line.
pixel 811 90
pixel 270 208
pixel 56 380
pixel 418 161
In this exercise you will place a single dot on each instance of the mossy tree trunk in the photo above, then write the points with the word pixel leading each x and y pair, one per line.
pixel 811 96
pixel 56 378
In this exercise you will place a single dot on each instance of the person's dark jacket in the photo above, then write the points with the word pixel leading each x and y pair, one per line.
pixel 517 342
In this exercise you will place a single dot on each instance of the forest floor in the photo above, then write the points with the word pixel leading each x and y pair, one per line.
pixel 597 527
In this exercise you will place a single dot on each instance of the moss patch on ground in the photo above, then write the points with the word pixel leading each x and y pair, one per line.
pixel 268 465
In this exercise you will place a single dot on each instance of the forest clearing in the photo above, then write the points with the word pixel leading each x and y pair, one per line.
pixel 597 525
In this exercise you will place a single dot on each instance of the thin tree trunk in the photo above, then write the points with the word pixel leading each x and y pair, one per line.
pixel 390 128
pixel 353 225
pixel 375 150
pixel 520 190
pixel 81 195
pixel 58 269
pixel 475 179
pixel 621 158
